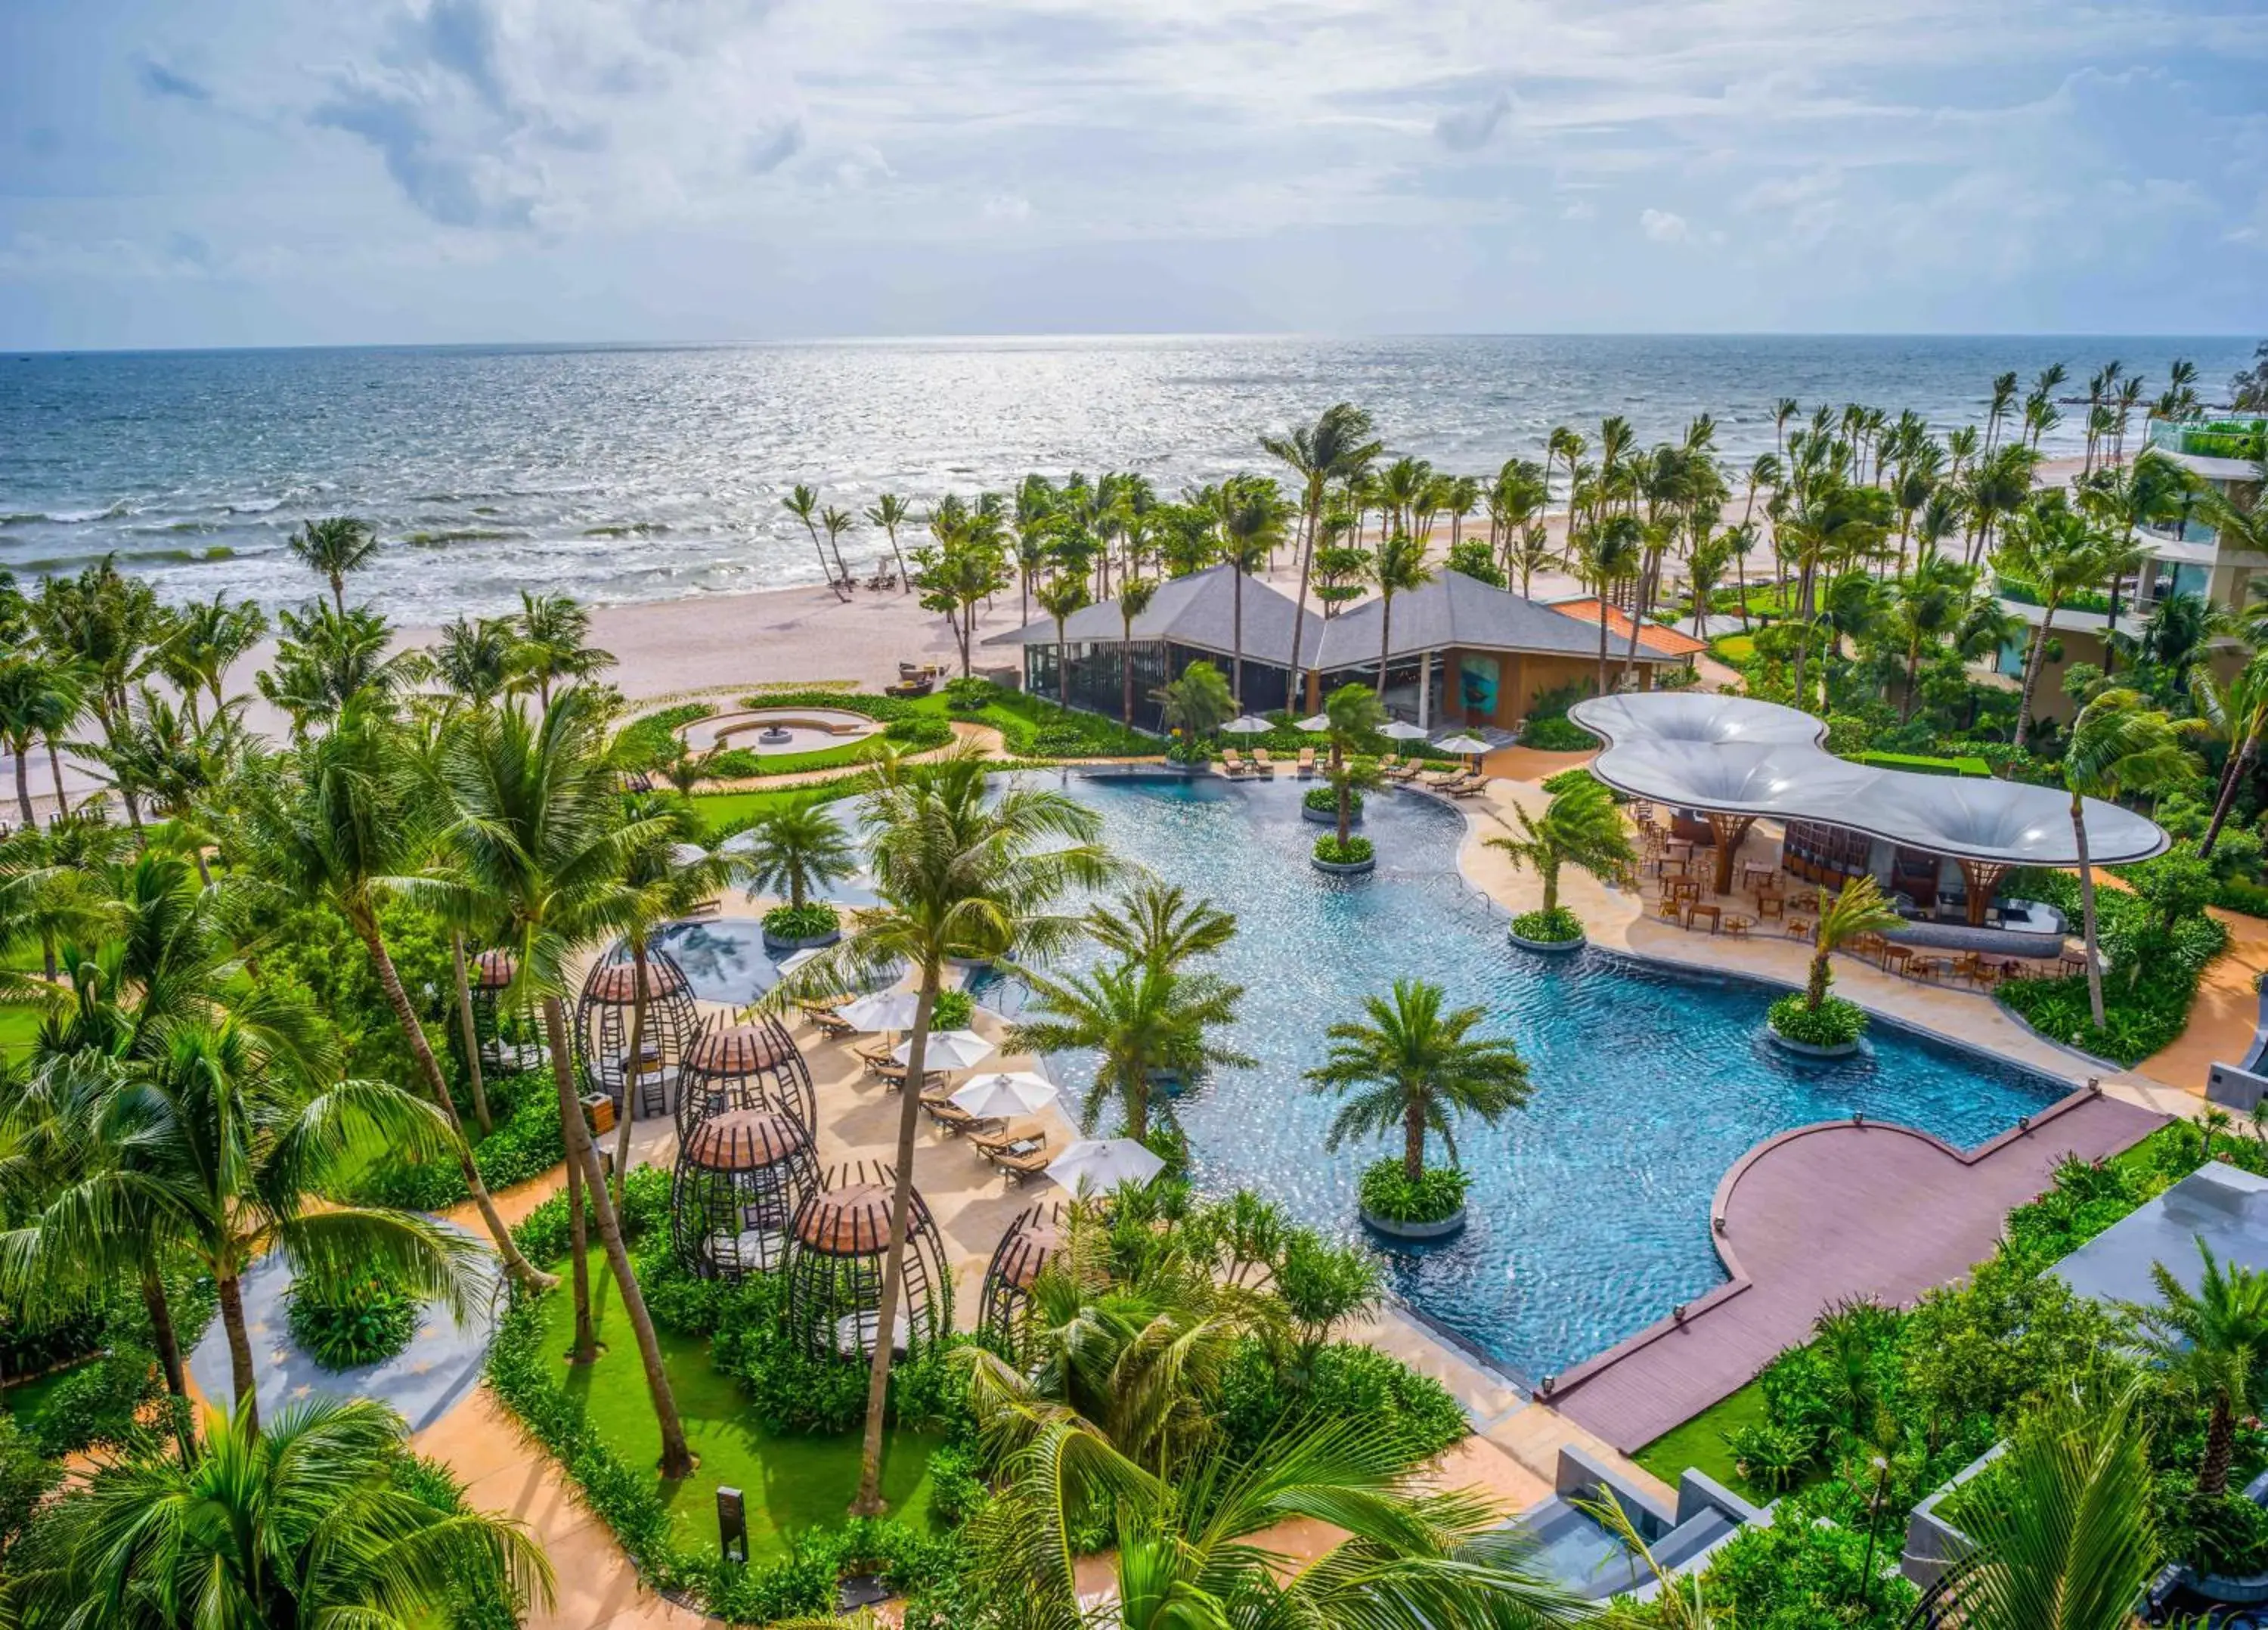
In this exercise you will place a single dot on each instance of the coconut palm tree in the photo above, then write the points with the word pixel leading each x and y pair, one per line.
pixel 1356 716
pixel 1146 1021
pixel 2239 711
pixel 339 832
pixel 1060 597
pixel 1611 555
pixel 28 699
pixel 1413 1067
pixel 334 550
pixel 958 876
pixel 797 849
pixel 528 809
pixel 1529 553
pixel 553 643
pixel 2210 1342
pixel 474 658
pixel 1252 515
pixel 2062 1529
pixel 209 637
pixel 1134 597
pixel 803 504
pixel 889 512
pixel 326 661
pixel 1154 921
pixel 1398 566
pixel 1190 1553
pixel 1581 827
pixel 1858 908
pixel 2119 745
pixel 293 1527
pixel 1338 449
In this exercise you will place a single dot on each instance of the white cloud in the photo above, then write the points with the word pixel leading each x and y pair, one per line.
pixel 1663 226
pixel 1007 207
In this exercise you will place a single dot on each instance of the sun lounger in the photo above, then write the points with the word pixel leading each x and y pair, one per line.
pixel 1406 770
pixel 1307 760
pixel 893 1074
pixel 1472 786
pixel 1390 762
pixel 876 1057
pixel 950 1118
pixel 832 1027
pixel 1025 1131
pixel 1020 1165
pixel 1232 761
pixel 1264 764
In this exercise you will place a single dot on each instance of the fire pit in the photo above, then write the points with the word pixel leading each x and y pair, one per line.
pixel 775 736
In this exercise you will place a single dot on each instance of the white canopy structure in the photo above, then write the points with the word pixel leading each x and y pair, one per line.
pixel 1736 759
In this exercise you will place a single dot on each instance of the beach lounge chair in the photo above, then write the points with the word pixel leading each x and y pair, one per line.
pixel 953 1120
pixel 1471 786
pixel 1306 762
pixel 892 1075
pixel 1261 763
pixel 1455 773
pixel 1019 1151
pixel 829 1025
pixel 1405 771
pixel 1388 763
pixel 876 1057
pixel 1233 761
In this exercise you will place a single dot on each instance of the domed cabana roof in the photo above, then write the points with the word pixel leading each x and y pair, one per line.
pixel 604 1016
pixel 1034 1239
pixel 836 1251
pixel 508 1032
pixel 738 1066
pixel 740 1174
pixel 494 969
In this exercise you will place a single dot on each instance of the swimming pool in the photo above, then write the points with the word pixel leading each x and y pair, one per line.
pixel 1589 1208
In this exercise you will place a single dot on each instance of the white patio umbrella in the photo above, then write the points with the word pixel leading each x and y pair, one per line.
pixel 1005 1095
pixel 1102 1163
pixel 1249 725
pixel 891 1010
pixel 1465 746
pixel 947 1049
pixel 1320 722
pixel 789 964
pixel 1402 730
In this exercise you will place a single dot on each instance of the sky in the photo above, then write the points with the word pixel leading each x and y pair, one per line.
pixel 214 173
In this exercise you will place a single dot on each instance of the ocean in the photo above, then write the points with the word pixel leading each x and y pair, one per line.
pixel 641 473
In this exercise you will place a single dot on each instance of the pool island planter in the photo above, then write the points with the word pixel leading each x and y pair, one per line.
pixel 1812 1049
pixel 1329 818
pixel 1440 1229
pixel 1344 868
pixel 811 942
pixel 1547 947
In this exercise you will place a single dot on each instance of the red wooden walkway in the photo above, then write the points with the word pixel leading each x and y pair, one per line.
pixel 1817 1216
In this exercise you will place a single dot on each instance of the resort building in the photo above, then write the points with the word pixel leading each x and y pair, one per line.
pixel 2186 556
pixel 1456 650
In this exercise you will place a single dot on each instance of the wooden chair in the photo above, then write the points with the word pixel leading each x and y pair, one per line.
pixel 1670 909
pixel 1894 958
pixel 831 1025
pixel 1737 926
pixel 1799 928
pixel 1771 905
pixel 1262 763
pixel 1234 762
pixel 1307 766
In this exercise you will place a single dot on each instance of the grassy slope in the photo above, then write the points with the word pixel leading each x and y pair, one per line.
pixel 1700 1443
pixel 789 1483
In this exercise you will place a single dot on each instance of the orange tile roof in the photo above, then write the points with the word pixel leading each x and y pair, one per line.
pixel 1653 636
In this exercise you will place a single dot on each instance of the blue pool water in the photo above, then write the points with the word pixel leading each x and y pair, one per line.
pixel 1590 1207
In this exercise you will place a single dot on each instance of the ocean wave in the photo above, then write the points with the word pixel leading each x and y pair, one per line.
pixel 80 517
pixel 628 529
pixel 458 534
pixel 257 506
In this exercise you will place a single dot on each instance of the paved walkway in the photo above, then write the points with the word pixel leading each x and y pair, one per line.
pixel 2226 1012
pixel 1820 1214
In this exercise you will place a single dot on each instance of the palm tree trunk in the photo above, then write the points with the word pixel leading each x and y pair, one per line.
pixel 586 1350
pixel 1385 637
pixel 869 1502
pixel 632 1069
pixel 1236 637
pixel 676 1458
pixel 1602 639
pixel 2230 781
pixel 240 1348
pixel 471 1032
pixel 24 785
pixel 2219 1449
pixel 1063 671
pixel 56 769
pixel 522 1271
pixel 161 1329
pixel 1814 988
pixel 2086 911
pixel 905 584
pixel 1307 560
pixel 1413 1140
pixel 2032 675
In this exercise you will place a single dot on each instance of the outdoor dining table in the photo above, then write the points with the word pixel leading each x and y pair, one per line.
pixel 1894 958
pixel 1680 848
pixel 1714 914
pixel 1755 873
pixel 1771 905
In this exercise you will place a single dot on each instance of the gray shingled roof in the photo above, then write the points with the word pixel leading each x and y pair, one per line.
pixel 1454 610
pixel 1196 610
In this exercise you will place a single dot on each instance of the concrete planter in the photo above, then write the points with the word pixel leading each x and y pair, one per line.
pixel 1392 1229
pixel 1547 947
pixel 1328 817
pixel 1810 1050
pixel 1344 868
pixel 773 943
pixel 971 964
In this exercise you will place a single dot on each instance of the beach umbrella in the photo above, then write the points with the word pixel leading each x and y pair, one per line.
pixel 1320 722
pixel 1401 731
pixel 1464 746
pixel 892 1010
pixel 1005 1095
pixel 1250 724
pixel 947 1049
pixel 1103 1163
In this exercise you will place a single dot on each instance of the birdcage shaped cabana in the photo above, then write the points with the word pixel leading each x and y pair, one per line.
pixel 835 1256
pixel 602 1027
pixel 743 1066
pixel 740 1174
pixel 507 1031
pixel 1033 1240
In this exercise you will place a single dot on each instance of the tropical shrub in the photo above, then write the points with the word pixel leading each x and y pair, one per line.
pixel 1556 926
pixel 343 1329
pixel 26 1477
pixel 811 921
pixel 952 1011
pixel 524 1144
pixel 1261 1397
pixel 1356 849
pixel 95 1405
pixel 1560 734
pixel 918 734
pixel 647 743
pixel 1437 1195
pixel 2153 963
pixel 1835 1022
pixel 1326 800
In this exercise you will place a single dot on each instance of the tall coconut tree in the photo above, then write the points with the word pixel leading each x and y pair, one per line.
pixel 1252 514
pixel 528 808
pixel 298 1527
pixel 1060 597
pixel 1134 597
pixel 889 512
pixel 335 550
pixel 2119 745
pixel 802 502
pixel 209 637
pixel 2210 1342
pixel 472 658
pixel 552 642
pixel 1397 567
pixel 1611 555
pixel 1338 447
pixel 340 831
pixel 1155 921
pixel 2239 711
pixel 1355 717
pixel 1581 827
pixel 958 875
pixel 1408 1065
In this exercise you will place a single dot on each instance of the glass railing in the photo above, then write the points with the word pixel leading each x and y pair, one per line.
pixel 2024 592
pixel 2179 531
pixel 2212 438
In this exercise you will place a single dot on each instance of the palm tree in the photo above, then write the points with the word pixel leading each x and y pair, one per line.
pixel 1529 553
pixel 294 1528
pixel 327 661
pixel 1189 1553
pixel 797 849
pixel 1414 1066
pixel 1060 597
pixel 1338 449
pixel 28 700
pixel 1859 908
pixel 2239 710
pixel 554 634
pixel 803 504
pixel 529 809
pixel 221 1148
pixel 1398 566
pixel 958 877
pixel 2119 744
pixel 209 636
pixel 1252 515
pixel 1356 716
pixel 2210 1342
pixel 1611 557
pixel 340 832
pixel 1581 827
pixel 1134 597
pixel 1154 921
pixel 334 550
pixel 1198 703
pixel 1144 1019
pixel 889 512
pixel 474 658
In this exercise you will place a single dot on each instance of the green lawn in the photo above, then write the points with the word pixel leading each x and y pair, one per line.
pixel 1733 649
pixel 20 1024
pixel 790 1483
pixel 724 810
pixel 1700 1443
pixel 26 1401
